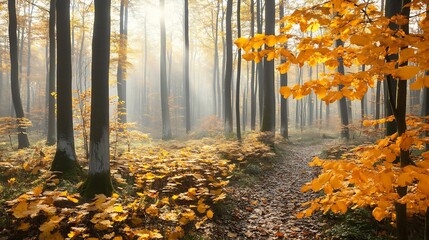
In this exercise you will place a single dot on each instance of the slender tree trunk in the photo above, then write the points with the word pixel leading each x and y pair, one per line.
pixel 284 129
pixel 269 109
pixel 343 101
pixel 186 72
pixel 2 84
pixel 260 66
pixel 166 126
pixel 99 180
pixel 216 63
pixel 222 79
pixel 362 102
pixel 252 81
pixel 121 71
pixel 228 70
pixel 310 101
pixel 16 98
pixel 52 67
pixel 392 8
pixel 145 104
pixel 65 156
pixel 237 94
pixel 29 57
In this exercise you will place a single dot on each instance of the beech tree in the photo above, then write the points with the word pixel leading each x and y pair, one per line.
pixel 237 95
pixel 16 95
pixel 99 180
pixel 65 156
pixel 186 70
pixel 122 62
pixel 269 109
pixel 52 67
pixel 166 126
pixel 228 71
pixel 284 129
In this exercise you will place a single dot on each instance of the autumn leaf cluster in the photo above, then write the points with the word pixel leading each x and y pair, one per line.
pixel 368 175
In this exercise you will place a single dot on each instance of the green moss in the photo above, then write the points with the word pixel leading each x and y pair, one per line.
pixel 99 183
pixel 69 167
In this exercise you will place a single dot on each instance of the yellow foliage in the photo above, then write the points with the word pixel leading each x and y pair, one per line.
pixel 406 72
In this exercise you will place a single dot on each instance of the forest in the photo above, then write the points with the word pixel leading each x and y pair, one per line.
pixel 214 119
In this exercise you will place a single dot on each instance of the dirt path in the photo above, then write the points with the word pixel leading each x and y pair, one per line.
pixel 267 208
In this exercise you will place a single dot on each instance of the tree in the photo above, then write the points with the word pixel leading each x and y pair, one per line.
pixel 166 126
pixel 269 109
pixel 99 180
pixel 186 71
pixel 122 62
pixel 65 156
pixel 228 71
pixel 343 101
pixel 237 98
pixel 16 98
pixel 252 81
pixel 284 129
pixel 51 81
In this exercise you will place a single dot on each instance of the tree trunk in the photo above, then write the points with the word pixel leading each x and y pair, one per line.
pixel 99 180
pixel 269 109
pixel 260 66
pixel 51 85
pixel 398 106
pixel 343 101
pixel 16 98
pixel 252 81
pixel 29 58
pixel 284 129
pixel 186 72
pixel 166 127
pixel 237 93
pixel 122 61
pixel 228 70
pixel 216 96
pixel 65 156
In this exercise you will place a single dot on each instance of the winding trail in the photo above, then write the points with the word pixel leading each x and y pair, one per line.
pixel 267 209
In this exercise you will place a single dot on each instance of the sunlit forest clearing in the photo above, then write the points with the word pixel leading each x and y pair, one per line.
pixel 214 119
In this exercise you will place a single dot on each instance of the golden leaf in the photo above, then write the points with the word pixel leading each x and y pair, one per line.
pixel 24 226
pixel 118 208
pixel 209 214
pixel 248 56
pixel 285 91
pixel 379 213
pixel 241 42
pixel 423 183
pixel 71 198
pixel 152 210
pixel 283 68
pixel 49 225
pixel 19 211
pixel 37 190
pixel 406 72
pixel 270 40
pixel 405 179
pixel 359 40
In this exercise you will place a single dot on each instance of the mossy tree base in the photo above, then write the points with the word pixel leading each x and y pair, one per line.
pixel 69 168
pixel 98 183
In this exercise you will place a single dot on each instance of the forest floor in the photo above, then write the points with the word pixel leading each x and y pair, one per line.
pixel 263 203
pixel 199 189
